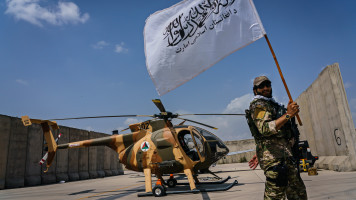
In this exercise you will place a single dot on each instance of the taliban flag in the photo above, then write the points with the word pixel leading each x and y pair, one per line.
pixel 188 38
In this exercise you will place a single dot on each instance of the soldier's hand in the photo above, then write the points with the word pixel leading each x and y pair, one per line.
pixel 253 163
pixel 292 108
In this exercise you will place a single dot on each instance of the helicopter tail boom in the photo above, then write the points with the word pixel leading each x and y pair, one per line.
pixel 115 142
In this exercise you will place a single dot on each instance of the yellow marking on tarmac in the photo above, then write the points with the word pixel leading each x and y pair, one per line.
pixel 109 191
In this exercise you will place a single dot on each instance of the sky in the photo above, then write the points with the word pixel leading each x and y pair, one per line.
pixel 73 58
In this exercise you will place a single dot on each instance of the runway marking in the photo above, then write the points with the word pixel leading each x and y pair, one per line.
pixel 110 191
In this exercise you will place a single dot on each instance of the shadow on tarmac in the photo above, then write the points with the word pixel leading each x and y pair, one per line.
pixel 109 195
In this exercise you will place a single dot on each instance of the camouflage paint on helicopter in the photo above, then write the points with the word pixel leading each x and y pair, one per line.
pixel 154 146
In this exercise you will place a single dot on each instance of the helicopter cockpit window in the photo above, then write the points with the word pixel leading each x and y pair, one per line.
pixel 187 142
pixel 207 135
pixel 199 140
pixel 215 143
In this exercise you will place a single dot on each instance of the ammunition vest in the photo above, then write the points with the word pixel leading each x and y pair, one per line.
pixel 277 111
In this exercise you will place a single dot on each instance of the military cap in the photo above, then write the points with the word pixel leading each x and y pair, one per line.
pixel 259 80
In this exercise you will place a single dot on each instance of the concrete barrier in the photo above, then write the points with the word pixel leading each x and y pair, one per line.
pixel 73 156
pixel 115 164
pixel 34 150
pixel 236 151
pixel 5 128
pixel 16 159
pixel 107 161
pixel 92 158
pixel 119 167
pixel 21 149
pixel 240 145
pixel 327 121
pixel 62 156
pixel 100 158
pixel 83 157
pixel 237 158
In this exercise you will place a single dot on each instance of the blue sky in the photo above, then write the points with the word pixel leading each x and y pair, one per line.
pixel 86 58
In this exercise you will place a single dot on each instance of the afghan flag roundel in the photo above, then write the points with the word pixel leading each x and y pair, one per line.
pixel 145 146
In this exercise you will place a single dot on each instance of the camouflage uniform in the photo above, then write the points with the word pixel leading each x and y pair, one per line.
pixel 274 151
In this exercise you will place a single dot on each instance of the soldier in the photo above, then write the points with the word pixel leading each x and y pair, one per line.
pixel 270 125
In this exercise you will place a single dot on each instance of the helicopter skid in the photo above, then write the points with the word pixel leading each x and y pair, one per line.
pixel 195 190
pixel 211 182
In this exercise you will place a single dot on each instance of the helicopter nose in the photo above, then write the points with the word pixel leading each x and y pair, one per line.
pixel 224 150
pixel 218 149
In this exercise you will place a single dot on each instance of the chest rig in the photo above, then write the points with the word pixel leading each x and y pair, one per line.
pixel 276 111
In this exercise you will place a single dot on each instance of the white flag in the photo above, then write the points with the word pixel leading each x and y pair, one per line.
pixel 188 38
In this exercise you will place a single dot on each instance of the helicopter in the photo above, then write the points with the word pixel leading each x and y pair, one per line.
pixel 154 146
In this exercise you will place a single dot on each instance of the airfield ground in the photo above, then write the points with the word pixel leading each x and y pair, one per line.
pixel 326 185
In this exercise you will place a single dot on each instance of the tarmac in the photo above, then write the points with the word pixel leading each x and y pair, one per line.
pixel 326 185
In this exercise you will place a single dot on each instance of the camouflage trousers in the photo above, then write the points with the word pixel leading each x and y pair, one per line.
pixel 284 181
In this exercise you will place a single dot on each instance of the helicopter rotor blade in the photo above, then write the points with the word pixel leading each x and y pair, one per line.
pixel 159 105
pixel 124 129
pixel 110 116
pixel 182 122
pixel 198 123
pixel 211 114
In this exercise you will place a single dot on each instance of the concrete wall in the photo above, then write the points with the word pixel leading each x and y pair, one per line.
pixel 16 155
pixel 34 154
pixel 236 154
pixel 21 148
pixel 240 145
pixel 327 121
pixel 5 126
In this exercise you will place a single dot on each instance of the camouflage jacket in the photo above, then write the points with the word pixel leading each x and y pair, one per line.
pixel 271 145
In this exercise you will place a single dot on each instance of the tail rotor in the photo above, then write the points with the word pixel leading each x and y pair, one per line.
pixel 51 142
pixel 46 155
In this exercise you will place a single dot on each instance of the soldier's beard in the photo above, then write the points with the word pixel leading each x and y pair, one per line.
pixel 265 93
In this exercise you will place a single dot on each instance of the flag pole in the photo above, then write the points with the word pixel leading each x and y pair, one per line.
pixel 280 73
